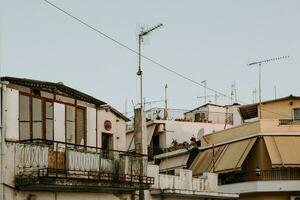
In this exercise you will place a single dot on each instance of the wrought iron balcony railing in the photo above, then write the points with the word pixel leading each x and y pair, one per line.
pixel 260 175
pixel 41 163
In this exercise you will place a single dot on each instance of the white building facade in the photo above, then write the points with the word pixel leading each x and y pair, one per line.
pixel 59 143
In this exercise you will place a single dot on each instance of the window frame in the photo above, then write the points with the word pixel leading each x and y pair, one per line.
pixel 294 109
pixel 44 100
pixel 85 123
pixel 44 118
pixel 23 121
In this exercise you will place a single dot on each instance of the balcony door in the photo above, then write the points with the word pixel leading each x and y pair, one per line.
pixel 107 141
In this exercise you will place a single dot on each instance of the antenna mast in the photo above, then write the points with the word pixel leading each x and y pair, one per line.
pixel 204 82
pixel 166 103
pixel 140 72
pixel 254 95
pixel 259 63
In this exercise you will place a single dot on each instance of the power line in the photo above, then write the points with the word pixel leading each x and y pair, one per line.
pixel 145 57
pixel 134 51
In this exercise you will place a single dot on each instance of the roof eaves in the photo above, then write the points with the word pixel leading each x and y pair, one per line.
pixel 53 87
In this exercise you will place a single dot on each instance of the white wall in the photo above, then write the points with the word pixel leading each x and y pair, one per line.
pixel 118 129
pixel 59 122
pixel 24 195
pixel 215 116
pixel 237 119
pixel 261 186
pixel 183 131
pixel 179 130
pixel 12 114
pixel 118 124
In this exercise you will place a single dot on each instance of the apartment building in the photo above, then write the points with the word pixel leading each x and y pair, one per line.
pixel 260 158
pixel 171 141
pixel 60 143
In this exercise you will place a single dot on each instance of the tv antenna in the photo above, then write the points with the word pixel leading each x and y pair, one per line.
pixel 142 34
pixel 259 63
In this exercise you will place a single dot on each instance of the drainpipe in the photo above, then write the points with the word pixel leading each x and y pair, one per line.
pixel 2 135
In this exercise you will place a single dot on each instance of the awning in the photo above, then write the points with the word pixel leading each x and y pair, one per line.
pixel 234 155
pixel 204 161
pixel 284 151
pixel 249 111
pixel 177 162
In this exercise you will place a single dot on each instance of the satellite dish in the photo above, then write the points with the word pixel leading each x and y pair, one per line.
pixel 200 133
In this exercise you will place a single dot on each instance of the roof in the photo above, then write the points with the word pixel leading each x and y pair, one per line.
pixel 50 86
pixel 116 112
pixel 207 104
pixel 250 111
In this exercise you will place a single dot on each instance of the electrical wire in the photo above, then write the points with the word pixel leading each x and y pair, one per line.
pixel 134 51
pixel 145 57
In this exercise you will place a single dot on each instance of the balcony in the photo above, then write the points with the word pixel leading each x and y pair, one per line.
pixel 184 185
pixel 260 175
pixel 56 166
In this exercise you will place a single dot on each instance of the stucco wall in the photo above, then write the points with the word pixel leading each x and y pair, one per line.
pixel 35 195
pixel 118 124
pixel 208 108
pixel 12 114
pixel 280 109
pixel 183 131
pixel 118 128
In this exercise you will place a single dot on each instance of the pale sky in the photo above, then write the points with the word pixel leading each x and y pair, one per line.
pixel 204 40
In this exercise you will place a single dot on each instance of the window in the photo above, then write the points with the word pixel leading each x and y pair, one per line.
pixel 70 124
pixel 80 126
pixel 297 113
pixel 200 117
pixel 24 117
pixel 49 120
pixel 35 118
pixel 75 125
pixel 37 121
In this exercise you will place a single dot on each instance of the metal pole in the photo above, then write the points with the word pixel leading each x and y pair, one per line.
pixel 140 72
pixel 205 92
pixel 259 90
pixel 166 103
pixel 2 143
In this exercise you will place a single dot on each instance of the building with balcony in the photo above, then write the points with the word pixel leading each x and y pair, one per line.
pixel 260 158
pixel 171 140
pixel 60 143
pixel 182 186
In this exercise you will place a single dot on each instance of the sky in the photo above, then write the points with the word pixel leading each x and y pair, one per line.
pixel 203 40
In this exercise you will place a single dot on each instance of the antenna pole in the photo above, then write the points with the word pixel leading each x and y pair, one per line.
pixel 166 103
pixel 259 63
pixel 205 86
pixel 259 90
pixel 140 72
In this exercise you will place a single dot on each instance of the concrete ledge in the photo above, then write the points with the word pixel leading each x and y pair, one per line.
pixel 261 186
pixel 193 194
